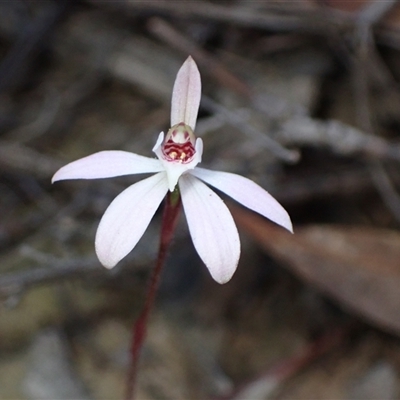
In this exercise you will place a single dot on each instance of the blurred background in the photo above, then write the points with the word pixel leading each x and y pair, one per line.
pixel 302 97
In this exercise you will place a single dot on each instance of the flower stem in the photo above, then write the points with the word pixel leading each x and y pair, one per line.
pixel 169 219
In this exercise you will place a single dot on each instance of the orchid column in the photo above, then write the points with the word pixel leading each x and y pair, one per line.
pixel 178 178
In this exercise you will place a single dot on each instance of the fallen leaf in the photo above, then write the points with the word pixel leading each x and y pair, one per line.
pixel 357 266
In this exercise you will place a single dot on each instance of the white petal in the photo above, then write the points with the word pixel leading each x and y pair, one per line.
pixel 107 164
pixel 127 217
pixel 199 150
pixel 186 94
pixel 159 142
pixel 211 227
pixel 248 193
pixel 174 172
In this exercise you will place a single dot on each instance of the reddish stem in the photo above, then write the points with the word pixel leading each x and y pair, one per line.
pixel 169 219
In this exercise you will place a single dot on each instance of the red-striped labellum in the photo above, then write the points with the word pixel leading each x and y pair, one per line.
pixel 179 144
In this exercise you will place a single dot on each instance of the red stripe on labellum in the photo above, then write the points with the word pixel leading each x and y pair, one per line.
pixel 181 152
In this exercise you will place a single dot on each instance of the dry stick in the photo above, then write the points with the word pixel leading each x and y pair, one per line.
pixel 285 369
pixel 318 20
pixel 379 176
pixel 240 123
pixel 165 32
pixel 170 217
pixel 14 283
pixel 385 188
pixel 289 20
pixel 375 11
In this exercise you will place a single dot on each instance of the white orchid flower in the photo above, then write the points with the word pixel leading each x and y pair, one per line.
pixel 211 225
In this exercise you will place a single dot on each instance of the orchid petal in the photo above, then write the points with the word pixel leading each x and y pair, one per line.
pixel 211 227
pixel 127 217
pixel 107 164
pixel 159 142
pixel 199 150
pixel 174 171
pixel 248 193
pixel 186 94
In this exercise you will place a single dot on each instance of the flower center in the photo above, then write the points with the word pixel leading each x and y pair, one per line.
pixel 179 144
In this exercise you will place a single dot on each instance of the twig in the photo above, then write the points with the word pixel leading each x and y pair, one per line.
pixel 274 16
pixel 18 157
pixel 39 126
pixel 338 136
pixel 167 33
pixel 264 385
pixel 382 182
pixel 18 281
pixel 385 188
pixel 275 19
pixel 374 11
pixel 263 140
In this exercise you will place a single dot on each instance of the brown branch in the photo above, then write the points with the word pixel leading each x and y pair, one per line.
pixel 168 34
pixel 16 282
